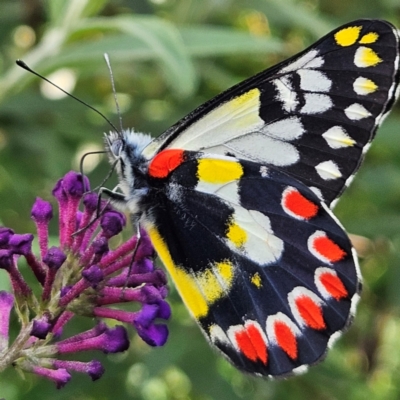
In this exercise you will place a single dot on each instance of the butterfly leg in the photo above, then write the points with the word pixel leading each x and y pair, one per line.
pixel 113 196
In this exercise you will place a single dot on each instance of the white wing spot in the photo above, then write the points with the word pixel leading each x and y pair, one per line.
pixel 317 62
pixel 328 170
pixel 260 244
pixel 305 61
pixel 217 335
pixel 314 81
pixel 286 95
pixel 356 111
pixel 317 192
pixel 262 148
pixel 286 129
pixel 316 103
pixel 227 191
pixel 337 137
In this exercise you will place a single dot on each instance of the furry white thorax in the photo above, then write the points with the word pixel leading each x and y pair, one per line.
pixel 125 149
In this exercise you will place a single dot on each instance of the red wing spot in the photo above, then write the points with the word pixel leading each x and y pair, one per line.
pixel 328 249
pixel 252 344
pixel 311 312
pixel 333 285
pixel 165 162
pixel 286 339
pixel 258 342
pixel 298 205
pixel 245 346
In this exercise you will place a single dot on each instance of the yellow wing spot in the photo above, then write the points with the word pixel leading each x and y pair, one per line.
pixel 218 171
pixel 347 36
pixel 366 57
pixel 364 86
pixel 215 281
pixel 256 280
pixel 225 270
pixel 236 234
pixel 252 97
pixel 371 37
pixel 243 112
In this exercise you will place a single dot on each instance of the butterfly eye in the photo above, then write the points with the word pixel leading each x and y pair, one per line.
pixel 116 147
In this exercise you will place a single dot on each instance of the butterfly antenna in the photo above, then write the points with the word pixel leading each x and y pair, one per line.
pixel 107 58
pixel 21 64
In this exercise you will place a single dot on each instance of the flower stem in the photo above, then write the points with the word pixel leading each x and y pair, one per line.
pixel 14 351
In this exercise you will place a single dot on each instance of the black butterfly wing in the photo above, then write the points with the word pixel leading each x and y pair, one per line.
pixel 312 116
pixel 261 263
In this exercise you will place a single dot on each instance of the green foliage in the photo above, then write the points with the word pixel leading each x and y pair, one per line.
pixel 169 56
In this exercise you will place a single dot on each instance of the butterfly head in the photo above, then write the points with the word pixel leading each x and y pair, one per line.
pixel 124 150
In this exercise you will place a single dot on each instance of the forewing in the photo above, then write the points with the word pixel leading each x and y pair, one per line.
pixel 312 116
pixel 261 263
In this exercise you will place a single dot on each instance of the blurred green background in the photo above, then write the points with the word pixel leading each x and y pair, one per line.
pixel 168 57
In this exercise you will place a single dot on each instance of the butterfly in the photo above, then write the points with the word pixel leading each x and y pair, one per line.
pixel 236 198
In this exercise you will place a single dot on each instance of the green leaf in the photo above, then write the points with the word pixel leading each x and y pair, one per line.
pixel 205 41
pixel 163 40
pixel 175 60
pixel 64 13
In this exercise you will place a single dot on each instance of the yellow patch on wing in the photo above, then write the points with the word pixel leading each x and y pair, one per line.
pixel 371 37
pixel 224 123
pixel 215 281
pixel 366 57
pixel 364 86
pixel 242 112
pixel 236 234
pixel 256 280
pixel 218 171
pixel 250 97
pixel 186 285
pixel 199 290
pixel 347 36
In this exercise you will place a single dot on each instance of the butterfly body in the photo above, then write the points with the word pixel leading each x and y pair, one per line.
pixel 236 198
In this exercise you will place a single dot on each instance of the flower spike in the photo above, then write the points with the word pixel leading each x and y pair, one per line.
pixel 84 276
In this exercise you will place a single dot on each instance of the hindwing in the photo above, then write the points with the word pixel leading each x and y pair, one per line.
pixel 260 261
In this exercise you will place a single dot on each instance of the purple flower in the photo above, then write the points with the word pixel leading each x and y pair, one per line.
pixel 6 259
pixel 75 185
pixel 80 277
pixel 42 213
pixel 41 327
pixel 109 341
pixel 112 223
pixel 6 305
pixel 5 235
pixel 93 368
pixel 21 244
pixel 59 376
pixel 54 258
pixel 154 335
pixel 94 275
